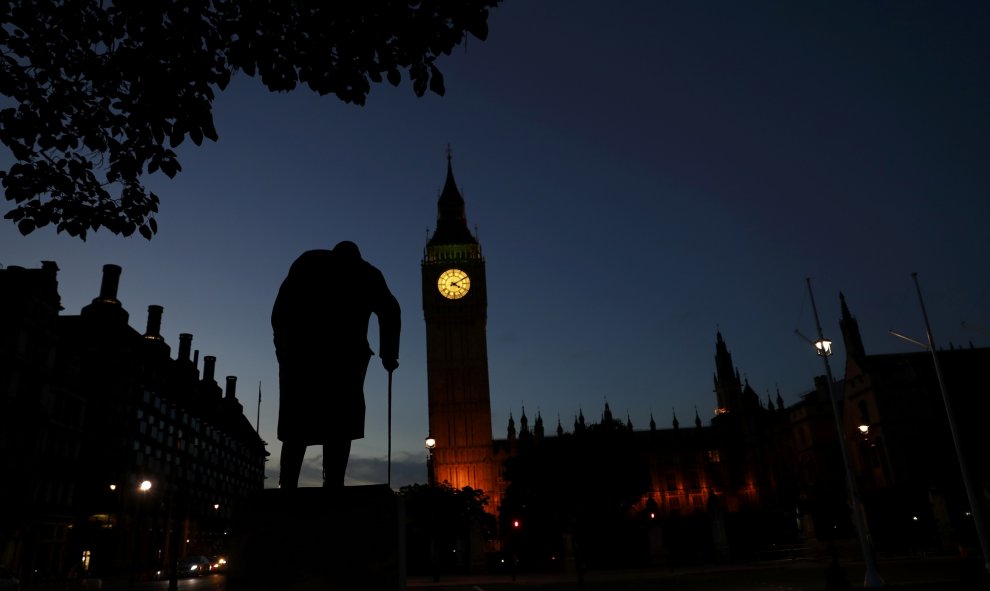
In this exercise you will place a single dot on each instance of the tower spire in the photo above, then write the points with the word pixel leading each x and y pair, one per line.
pixel 728 388
pixel 452 227
pixel 850 331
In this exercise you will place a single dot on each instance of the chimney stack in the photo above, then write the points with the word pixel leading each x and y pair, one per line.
pixel 153 331
pixel 108 287
pixel 231 388
pixel 185 345
pixel 209 365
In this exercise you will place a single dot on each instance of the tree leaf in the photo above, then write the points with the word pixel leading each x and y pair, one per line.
pixel 26 226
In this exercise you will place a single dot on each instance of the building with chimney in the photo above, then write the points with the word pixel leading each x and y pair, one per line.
pixel 91 408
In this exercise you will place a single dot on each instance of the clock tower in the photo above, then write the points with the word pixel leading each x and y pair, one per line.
pixel 455 305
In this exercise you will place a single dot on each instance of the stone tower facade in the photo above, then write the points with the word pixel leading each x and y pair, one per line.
pixel 455 306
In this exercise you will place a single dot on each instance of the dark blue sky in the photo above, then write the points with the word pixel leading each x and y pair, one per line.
pixel 641 174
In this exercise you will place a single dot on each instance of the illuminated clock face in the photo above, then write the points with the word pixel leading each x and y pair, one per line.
pixel 454 284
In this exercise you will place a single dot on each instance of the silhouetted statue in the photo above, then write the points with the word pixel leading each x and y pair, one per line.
pixel 320 323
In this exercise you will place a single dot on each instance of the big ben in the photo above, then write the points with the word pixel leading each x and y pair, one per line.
pixel 455 306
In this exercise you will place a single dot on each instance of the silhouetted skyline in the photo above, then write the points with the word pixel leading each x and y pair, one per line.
pixel 639 178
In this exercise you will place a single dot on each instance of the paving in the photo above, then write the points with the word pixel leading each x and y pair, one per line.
pixel 907 574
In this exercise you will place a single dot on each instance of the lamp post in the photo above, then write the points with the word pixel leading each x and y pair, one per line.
pixel 430 443
pixel 823 346
pixel 174 529
pixel 143 487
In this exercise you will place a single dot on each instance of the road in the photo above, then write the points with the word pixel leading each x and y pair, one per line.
pixel 789 575
pixel 214 582
pixel 905 574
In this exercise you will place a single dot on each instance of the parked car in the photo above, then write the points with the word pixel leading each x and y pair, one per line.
pixel 8 582
pixel 218 564
pixel 80 577
pixel 193 566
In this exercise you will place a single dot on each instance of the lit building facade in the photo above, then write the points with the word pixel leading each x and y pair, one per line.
pixel 455 307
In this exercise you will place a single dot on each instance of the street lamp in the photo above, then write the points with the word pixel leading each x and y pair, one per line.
pixel 823 346
pixel 430 443
pixel 143 487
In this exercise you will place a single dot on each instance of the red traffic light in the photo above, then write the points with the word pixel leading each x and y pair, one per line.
pixel 515 523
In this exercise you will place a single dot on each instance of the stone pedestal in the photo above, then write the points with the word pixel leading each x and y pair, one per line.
pixel 317 539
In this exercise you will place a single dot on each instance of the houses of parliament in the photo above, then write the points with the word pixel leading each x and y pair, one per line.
pixel 757 464
pixel 91 408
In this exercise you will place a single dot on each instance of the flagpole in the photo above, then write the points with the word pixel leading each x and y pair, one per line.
pixel 975 502
pixel 872 577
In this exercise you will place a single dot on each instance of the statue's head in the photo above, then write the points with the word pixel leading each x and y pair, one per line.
pixel 347 250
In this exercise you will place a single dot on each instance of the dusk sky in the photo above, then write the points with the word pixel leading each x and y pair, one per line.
pixel 640 174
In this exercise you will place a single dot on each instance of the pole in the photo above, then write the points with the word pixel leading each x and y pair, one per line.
pixel 872 577
pixel 389 429
pixel 975 505
pixel 257 420
pixel 175 523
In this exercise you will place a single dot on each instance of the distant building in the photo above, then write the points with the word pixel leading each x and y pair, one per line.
pixel 901 446
pixel 706 491
pixel 737 463
pixel 760 478
pixel 89 409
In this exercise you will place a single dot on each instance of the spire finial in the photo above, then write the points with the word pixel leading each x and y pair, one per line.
pixel 450 153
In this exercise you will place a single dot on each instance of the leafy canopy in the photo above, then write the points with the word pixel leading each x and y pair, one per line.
pixel 103 91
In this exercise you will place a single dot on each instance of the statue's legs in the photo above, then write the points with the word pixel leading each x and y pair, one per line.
pixel 290 464
pixel 335 457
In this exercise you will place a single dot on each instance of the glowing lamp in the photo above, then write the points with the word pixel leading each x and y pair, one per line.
pixel 824 347
pixel 430 442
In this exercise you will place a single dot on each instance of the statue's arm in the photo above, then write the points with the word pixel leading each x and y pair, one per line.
pixel 389 323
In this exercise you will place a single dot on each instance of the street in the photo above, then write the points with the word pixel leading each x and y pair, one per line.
pixel 928 574
pixel 208 583
pixel 908 574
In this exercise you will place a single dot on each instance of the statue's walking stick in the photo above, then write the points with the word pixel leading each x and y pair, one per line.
pixel 389 429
